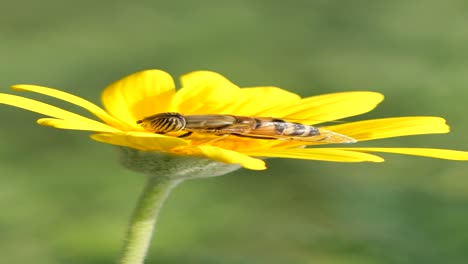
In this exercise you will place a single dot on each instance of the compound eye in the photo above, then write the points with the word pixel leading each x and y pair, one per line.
pixel 163 123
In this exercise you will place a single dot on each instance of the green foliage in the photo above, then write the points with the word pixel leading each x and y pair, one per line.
pixel 64 198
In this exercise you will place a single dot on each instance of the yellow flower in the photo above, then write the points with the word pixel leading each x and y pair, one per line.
pixel 150 92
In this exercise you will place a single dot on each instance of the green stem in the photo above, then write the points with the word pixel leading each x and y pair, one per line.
pixel 144 219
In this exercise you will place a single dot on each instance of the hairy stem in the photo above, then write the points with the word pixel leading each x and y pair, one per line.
pixel 143 221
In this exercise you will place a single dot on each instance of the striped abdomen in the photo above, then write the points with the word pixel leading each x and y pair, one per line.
pixel 279 127
pixel 295 129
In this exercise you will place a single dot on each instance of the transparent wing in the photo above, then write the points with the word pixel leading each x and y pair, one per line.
pixel 325 136
pixel 208 121
pixel 219 124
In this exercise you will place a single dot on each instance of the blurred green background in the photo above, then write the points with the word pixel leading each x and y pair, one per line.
pixel 65 198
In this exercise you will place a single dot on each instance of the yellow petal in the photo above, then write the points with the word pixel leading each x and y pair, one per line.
pixel 425 152
pixel 139 95
pixel 254 101
pixel 94 109
pixel 324 154
pixel 328 107
pixel 392 127
pixel 141 140
pixel 229 156
pixel 48 110
pixel 210 92
pixel 207 97
pixel 194 79
pixel 76 125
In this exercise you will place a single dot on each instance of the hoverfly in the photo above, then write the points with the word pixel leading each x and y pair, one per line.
pixel 243 126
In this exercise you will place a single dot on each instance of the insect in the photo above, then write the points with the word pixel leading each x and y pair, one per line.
pixel 243 126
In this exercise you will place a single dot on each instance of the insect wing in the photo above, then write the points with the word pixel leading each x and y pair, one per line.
pixel 208 121
pixel 329 137
pixel 276 129
pixel 218 124
pixel 325 136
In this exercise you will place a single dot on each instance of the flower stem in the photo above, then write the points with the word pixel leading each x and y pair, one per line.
pixel 140 229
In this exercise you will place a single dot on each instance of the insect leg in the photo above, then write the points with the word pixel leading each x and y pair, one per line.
pixel 186 134
pixel 252 136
